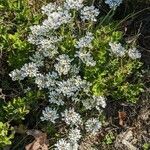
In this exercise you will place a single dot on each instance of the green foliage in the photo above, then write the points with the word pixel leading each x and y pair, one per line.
pixel 16 18
pixel 16 109
pixel 146 146
pixel 109 138
pixel 118 78
pixel 6 134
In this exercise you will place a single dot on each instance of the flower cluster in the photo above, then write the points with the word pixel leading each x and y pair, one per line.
pixel 62 81
pixel 49 8
pixel 89 13
pixel 97 102
pixel 73 4
pixel 120 51
pixel 86 57
pixel 64 64
pixel 134 53
pixel 62 144
pixel 117 49
pixel 29 69
pixel 71 143
pixel 93 125
pixel 113 3
pixel 71 117
pixel 85 41
pixel 58 68
pixel 49 115
pixel 74 135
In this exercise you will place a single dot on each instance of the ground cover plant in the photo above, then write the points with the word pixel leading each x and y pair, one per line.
pixel 66 64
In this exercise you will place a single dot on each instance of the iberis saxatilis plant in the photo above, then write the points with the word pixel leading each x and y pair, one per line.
pixel 79 64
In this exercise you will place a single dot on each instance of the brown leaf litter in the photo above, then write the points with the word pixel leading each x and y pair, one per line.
pixel 40 142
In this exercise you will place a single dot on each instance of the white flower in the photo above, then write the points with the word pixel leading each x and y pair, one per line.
pixel 46 44
pixel 17 75
pixel 134 53
pixel 66 88
pixel 86 57
pixel 55 98
pixel 94 102
pixel 37 58
pixel 74 70
pixel 56 19
pixel 40 80
pixel 113 3
pixel 78 82
pixel 74 135
pixel 88 103
pixel 49 114
pixel 71 117
pixel 53 75
pixel 70 87
pixel 117 49
pixel 50 53
pixel 38 32
pixel 89 13
pixel 49 43
pixel 30 69
pixel 73 4
pixel 49 8
pixel 62 145
pixel 35 39
pixel 100 101
pixel 74 146
pixel 93 125
pixel 64 64
pixel 85 41
pixel 51 80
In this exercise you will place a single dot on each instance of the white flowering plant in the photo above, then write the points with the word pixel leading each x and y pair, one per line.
pixel 79 64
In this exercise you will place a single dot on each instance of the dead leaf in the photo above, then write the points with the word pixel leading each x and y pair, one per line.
pixel 122 117
pixel 40 142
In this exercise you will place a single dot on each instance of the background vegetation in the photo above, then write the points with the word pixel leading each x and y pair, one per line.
pixel 20 112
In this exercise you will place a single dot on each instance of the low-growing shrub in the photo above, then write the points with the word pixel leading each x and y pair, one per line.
pixel 80 63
